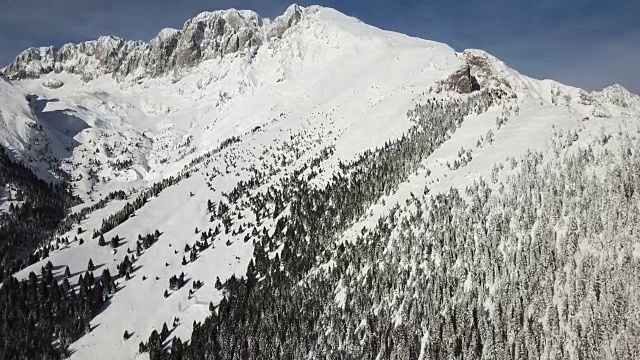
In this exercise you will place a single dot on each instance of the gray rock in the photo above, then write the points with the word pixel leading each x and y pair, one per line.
pixel 207 36
pixel 53 83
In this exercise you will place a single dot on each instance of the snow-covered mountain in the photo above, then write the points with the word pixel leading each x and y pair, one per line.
pixel 221 134
pixel 209 35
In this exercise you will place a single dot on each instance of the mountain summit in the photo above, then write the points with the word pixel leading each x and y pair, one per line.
pixel 209 35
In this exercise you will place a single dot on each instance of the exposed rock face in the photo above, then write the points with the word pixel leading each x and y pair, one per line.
pixel 479 70
pixel 462 81
pixel 465 79
pixel 206 36
pixel 53 83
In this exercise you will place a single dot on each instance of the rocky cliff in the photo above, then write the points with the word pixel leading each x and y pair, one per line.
pixel 207 36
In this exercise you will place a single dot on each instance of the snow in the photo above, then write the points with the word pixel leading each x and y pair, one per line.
pixel 15 117
pixel 329 79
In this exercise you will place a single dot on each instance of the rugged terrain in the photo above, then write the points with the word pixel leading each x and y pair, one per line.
pixel 327 188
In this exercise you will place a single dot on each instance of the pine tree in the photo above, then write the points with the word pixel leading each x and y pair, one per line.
pixel 177 349
pixel 155 346
pixel 101 241
pixel 115 241
pixel 106 281
pixel 67 273
pixel 165 332
pixel 90 266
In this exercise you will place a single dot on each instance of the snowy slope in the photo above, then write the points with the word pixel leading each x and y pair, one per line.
pixel 17 121
pixel 322 81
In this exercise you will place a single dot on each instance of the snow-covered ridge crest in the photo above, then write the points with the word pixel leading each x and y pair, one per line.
pixel 208 35
pixel 618 95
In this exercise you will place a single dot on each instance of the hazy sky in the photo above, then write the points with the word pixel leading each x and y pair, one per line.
pixel 585 43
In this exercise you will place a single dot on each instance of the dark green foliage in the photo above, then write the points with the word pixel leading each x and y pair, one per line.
pixel 125 267
pixel 120 165
pixel 176 282
pixel 77 217
pixel 461 270
pixel 164 334
pixel 35 313
pixel 487 275
pixel 316 217
pixel 115 241
pixel 26 229
pixel 154 346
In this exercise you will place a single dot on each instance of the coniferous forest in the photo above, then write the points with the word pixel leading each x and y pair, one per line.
pixel 541 263
pixel 28 227
pixel 543 266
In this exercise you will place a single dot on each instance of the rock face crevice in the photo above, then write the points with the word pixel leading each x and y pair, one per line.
pixel 207 36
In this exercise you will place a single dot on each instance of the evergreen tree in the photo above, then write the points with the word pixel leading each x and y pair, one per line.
pixel 164 333
pixel 115 241
pixel 154 346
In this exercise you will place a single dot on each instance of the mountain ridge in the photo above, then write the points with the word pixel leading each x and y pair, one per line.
pixel 205 36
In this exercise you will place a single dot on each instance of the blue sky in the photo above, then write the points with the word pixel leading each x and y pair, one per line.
pixel 585 43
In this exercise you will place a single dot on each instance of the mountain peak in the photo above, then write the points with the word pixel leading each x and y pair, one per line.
pixel 617 94
pixel 208 35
